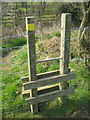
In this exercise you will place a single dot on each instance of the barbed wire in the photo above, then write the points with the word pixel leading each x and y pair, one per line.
pixel 26 33
pixel 15 111
pixel 78 28
pixel 13 106
pixel 41 40
pixel 21 109
pixel 13 36
pixel 32 32
pixel 13 73
pixel 12 47
pixel 11 100
pixel 11 83
pixel 39 104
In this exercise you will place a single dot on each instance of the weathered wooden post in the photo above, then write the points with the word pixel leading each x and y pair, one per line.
pixel 65 48
pixel 30 27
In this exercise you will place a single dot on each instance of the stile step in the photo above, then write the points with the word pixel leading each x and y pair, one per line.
pixel 49 80
pixel 40 90
pixel 50 96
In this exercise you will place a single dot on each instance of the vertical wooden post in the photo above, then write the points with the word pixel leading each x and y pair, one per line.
pixel 65 49
pixel 30 27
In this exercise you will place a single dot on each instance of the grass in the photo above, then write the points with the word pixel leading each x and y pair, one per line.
pixel 49 36
pixel 12 42
pixel 22 9
pixel 76 104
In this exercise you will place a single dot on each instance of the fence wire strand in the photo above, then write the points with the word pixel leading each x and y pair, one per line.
pixel 32 32
pixel 42 40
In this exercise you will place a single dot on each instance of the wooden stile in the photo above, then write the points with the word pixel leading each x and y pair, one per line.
pixel 38 87
pixel 49 96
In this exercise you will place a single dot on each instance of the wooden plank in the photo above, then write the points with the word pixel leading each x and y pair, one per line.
pixel 48 74
pixel 25 79
pixel 48 81
pixel 40 90
pixel 47 89
pixel 41 75
pixel 31 59
pixel 65 49
pixel 50 96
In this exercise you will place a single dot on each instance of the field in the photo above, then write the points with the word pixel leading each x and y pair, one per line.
pixel 15 66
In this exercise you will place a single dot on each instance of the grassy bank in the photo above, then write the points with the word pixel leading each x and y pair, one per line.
pixel 15 66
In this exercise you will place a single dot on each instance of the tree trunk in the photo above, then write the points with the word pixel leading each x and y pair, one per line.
pixel 83 33
pixel 84 23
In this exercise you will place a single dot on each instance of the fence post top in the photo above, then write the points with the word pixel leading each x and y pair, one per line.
pixel 29 20
pixel 66 13
pixel 30 17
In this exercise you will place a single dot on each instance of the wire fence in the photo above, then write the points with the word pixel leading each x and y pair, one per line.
pixel 32 33
pixel 7 101
pixel 43 40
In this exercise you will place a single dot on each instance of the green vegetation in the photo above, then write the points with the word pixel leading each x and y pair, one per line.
pixel 22 9
pixel 76 104
pixel 12 42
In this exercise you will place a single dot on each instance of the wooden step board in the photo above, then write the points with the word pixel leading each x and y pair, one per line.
pixel 49 80
pixel 41 75
pixel 40 90
pixel 49 96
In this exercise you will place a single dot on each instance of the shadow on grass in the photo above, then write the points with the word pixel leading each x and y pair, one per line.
pixel 71 109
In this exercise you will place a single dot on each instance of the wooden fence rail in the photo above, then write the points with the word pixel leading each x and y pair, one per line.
pixel 38 87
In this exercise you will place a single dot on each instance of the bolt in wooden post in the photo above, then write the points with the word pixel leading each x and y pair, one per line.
pixel 30 27
pixel 65 49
